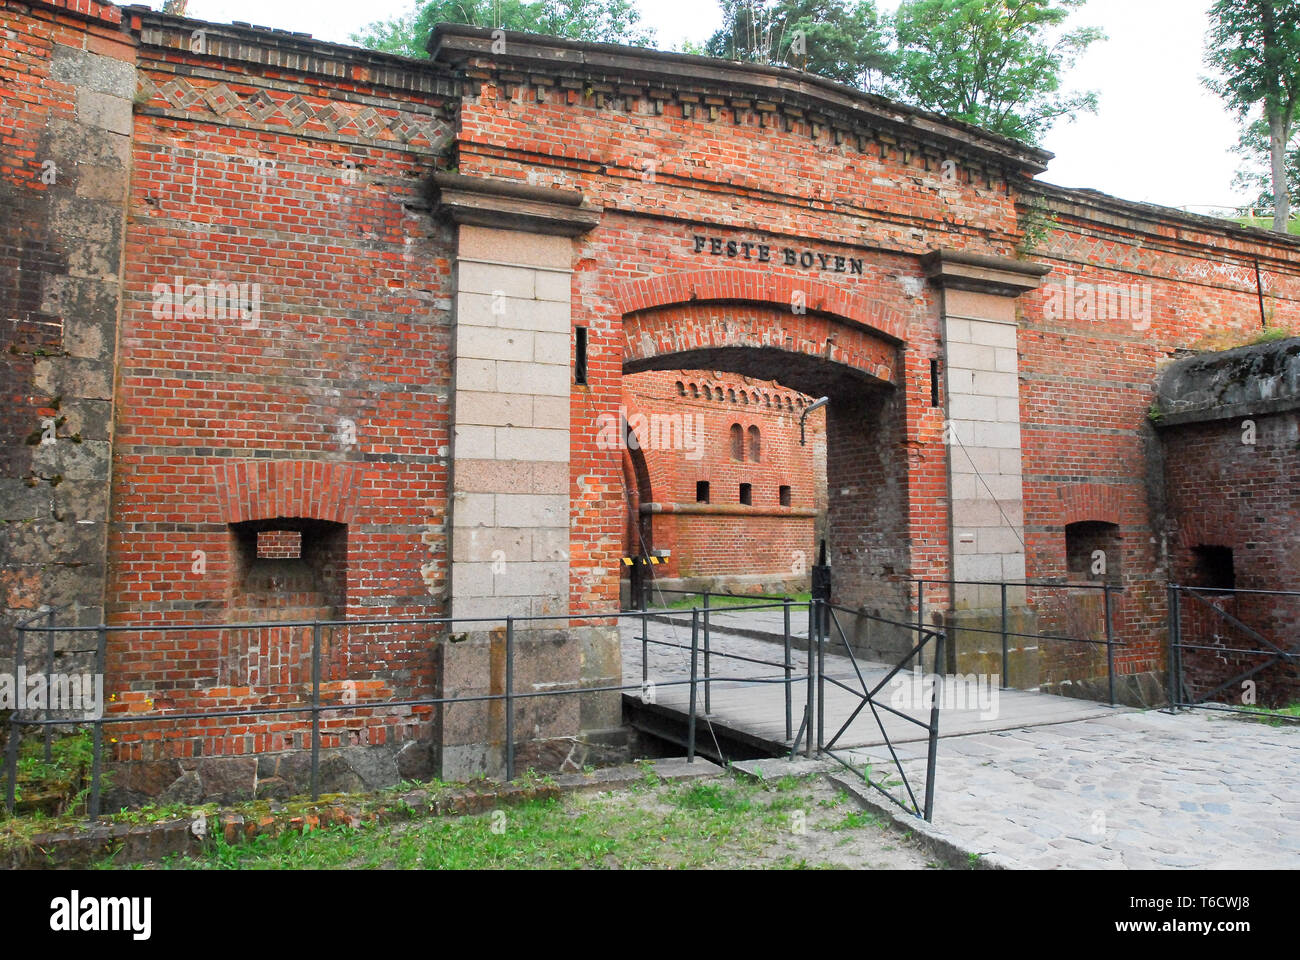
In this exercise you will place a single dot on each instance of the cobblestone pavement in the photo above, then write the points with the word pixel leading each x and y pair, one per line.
pixel 1130 791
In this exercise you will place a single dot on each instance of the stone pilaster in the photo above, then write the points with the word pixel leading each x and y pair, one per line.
pixel 982 433
pixel 510 477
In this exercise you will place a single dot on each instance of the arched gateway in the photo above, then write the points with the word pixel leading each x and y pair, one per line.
pixel 563 289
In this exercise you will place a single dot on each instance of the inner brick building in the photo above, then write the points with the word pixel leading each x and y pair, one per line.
pixel 726 481
pixel 301 331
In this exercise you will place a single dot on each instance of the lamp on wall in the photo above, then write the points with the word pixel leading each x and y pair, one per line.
pixel 803 420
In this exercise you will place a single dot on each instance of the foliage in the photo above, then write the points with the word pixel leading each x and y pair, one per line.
pixel 844 40
pixel 1036 224
pixel 1253 51
pixel 997 65
pixel 605 21
pixel 63 782
pixel 1255 176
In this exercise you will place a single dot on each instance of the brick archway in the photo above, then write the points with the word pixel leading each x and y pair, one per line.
pixel 747 286
pixel 820 340
pixel 807 334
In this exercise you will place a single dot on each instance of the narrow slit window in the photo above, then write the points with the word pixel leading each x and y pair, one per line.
pixel 580 355
pixel 786 498
pixel 747 494
pixel 702 491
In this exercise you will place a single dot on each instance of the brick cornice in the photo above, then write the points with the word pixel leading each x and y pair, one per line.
pixel 89 9
pixel 706 83
pixel 283 50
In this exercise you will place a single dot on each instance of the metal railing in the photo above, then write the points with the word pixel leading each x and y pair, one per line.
pixel 821 616
pixel 1006 634
pixel 1196 611
pixel 316 708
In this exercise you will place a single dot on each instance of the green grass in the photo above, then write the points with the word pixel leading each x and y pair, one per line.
pixel 721 822
pixel 59 785
pixel 717 601
pixel 1274 717
pixel 1266 223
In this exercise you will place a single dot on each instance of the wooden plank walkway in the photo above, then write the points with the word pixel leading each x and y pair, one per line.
pixel 756 710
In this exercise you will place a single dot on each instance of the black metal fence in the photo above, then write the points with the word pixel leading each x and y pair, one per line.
pixel 811 734
pixel 30 632
pixel 1048 596
pixel 824 628
pixel 1236 651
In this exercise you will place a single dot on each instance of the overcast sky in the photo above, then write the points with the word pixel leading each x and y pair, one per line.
pixel 1158 137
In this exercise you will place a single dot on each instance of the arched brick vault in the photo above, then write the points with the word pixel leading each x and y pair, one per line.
pixel 267 489
pixel 747 322
pixel 1094 502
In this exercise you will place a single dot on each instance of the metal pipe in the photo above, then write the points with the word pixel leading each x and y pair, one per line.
pixel 708 662
pixel 821 678
pixel 932 754
pixel 695 648
pixel 510 698
pixel 49 683
pixel 645 653
pixel 97 750
pixel 920 623
pixel 1171 601
pixel 315 710
pixel 1176 648
pixel 789 715
pixel 812 616
pixel 1005 669
pixel 1110 644
pixel 11 748
pixel 803 420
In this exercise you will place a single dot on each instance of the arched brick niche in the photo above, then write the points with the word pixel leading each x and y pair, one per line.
pixel 311 500
pixel 252 490
pixel 1090 503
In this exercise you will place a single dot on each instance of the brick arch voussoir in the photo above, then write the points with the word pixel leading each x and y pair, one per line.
pixel 250 490
pixel 1090 503
pixel 703 286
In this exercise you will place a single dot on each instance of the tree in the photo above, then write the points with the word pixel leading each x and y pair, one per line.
pixel 606 21
pixel 1255 176
pixel 1254 48
pixel 845 41
pixel 995 64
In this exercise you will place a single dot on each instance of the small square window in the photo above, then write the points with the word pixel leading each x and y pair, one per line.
pixel 1214 568
pixel 785 496
pixel 702 491
pixel 279 544
pixel 747 493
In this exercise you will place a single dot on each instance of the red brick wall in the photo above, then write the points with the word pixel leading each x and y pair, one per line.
pixel 314 187
pixel 1225 493
pixel 1087 383
pixel 746 542
pixel 329 405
